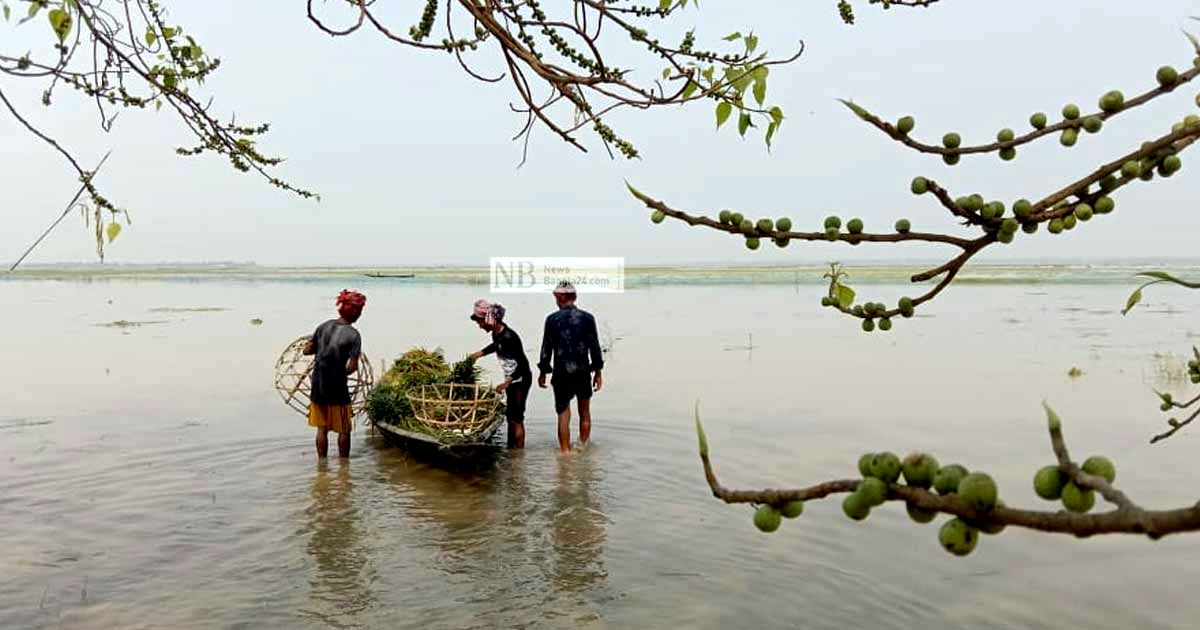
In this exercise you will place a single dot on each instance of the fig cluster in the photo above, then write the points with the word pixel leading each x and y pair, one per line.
pixel 1052 484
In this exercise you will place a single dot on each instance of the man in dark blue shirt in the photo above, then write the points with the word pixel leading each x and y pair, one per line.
pixel 571 352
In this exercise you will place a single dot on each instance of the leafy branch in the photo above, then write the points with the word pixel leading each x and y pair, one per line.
pixel 971 498
pixel 993 221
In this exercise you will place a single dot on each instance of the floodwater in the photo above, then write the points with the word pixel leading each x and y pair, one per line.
pixel 151 478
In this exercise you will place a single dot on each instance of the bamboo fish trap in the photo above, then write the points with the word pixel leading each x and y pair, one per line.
pixel 293 379
pixel 456 412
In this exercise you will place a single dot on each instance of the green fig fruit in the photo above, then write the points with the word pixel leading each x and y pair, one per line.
pixel 1104 205
pixel 947 478
pixel 833 222
pixel 919 515
pixel 1112 101
pixel 1092 124
pixel 868 325
pixel 974 202
pixel 724 216
pixel 1009 225
pixel 1055 226
pixel 736 219
pixel 1083 212
pixel 855 507
pixel 658 216
pixel 1007 154
pixel 903 226
pixel 832 234
pixel 746 226
pixel 1101 467
pixel 872 491
pixel 765 225
pixel 920 185
pixel 957 537
pixel 905 124
pixel 951 140
pixel 1069 222
pixel 1077 499
pixel 1048 483
pixel 767 519
pixel 1167 76
pixel 950 159
pixel 1029 228
pixel 1005 135
pixel 1132 168
pixel 858 310
pixel 886 466
pixel 979 491
pixel 919 469
pixel 864 464
pixel 1022 208
pixel 1005 237
pixel 855 226
pixel 1108 183
pixel 885 324
pixel 792 509
pixel 1070 111
pixel 784 224
pixel 780 242
pixel 1069 137
pixel 1172 164
pixel 1038 120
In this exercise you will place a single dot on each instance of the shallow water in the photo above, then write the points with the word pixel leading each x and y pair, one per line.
pixel 150 477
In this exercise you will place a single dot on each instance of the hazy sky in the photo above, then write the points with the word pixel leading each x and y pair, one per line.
pixel 414 162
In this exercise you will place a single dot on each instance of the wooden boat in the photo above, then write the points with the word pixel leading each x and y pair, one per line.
pixel 375 274
pixel 484 445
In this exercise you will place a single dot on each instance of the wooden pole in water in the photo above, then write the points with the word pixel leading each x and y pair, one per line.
pixel 60 217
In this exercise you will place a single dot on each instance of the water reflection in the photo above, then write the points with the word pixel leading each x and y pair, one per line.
pixel 579 525
pixel 339 590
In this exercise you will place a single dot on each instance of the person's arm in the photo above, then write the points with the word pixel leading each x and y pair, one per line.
pixel 596 355
pixel 546 354
pixel 355 353
pixel 488 349
pixel 310 346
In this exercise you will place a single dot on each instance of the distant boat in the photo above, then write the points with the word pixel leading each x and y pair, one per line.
pixel 389 275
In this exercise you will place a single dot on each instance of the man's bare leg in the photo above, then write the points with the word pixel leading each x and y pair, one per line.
pixel 585 421
pixel 322 442
pixel 344 444
pixel 516 435
pixel 564 431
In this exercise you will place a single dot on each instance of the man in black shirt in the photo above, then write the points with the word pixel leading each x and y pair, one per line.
pixel 571 352
pixel 337 346
pixel 518 378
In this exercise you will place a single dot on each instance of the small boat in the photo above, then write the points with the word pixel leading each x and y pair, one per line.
pixel 389 275
pixel 483 446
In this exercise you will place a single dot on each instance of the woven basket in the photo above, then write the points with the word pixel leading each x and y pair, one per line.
pixel 293 372
pixel 454 409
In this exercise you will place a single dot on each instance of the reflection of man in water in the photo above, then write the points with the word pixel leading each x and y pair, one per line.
pixel 337 346
pixel 571 351
pixel 518 378
pixel 338 587
pixel 579 527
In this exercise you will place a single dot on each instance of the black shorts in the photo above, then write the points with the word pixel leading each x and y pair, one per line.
pixel 517 396
pixel 568 386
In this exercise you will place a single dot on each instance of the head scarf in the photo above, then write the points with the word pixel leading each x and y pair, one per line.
pixel 565 288
pixel 487 312
pixel 351 303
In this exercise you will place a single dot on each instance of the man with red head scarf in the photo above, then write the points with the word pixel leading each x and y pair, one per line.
pixel 337 346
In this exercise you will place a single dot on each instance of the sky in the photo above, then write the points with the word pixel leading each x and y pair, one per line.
pixel 415 163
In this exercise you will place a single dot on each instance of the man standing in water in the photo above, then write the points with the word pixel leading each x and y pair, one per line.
pixel 571 352
pixel 518 378
pixel 337 346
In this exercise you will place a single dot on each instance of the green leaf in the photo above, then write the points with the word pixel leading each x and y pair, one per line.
pixel 744 123
pixel 113 231
pixel 751 44
pixel 777 115
pixel 1052 419
pixel 61 22
pixel 700 433
pixel 637 193
pixel 858 111
pixel 732 36
pixel 151 36
pixel 666 72
pixel 845 295
pixel 1166 277
pixel 169 32
pixel 724 109
pixel 760 90
pixel 690 89
pixel 771 132
pixel 664 4
pixel 7 12
pixel 708 74
pixel 34 7
pixel 1133 300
